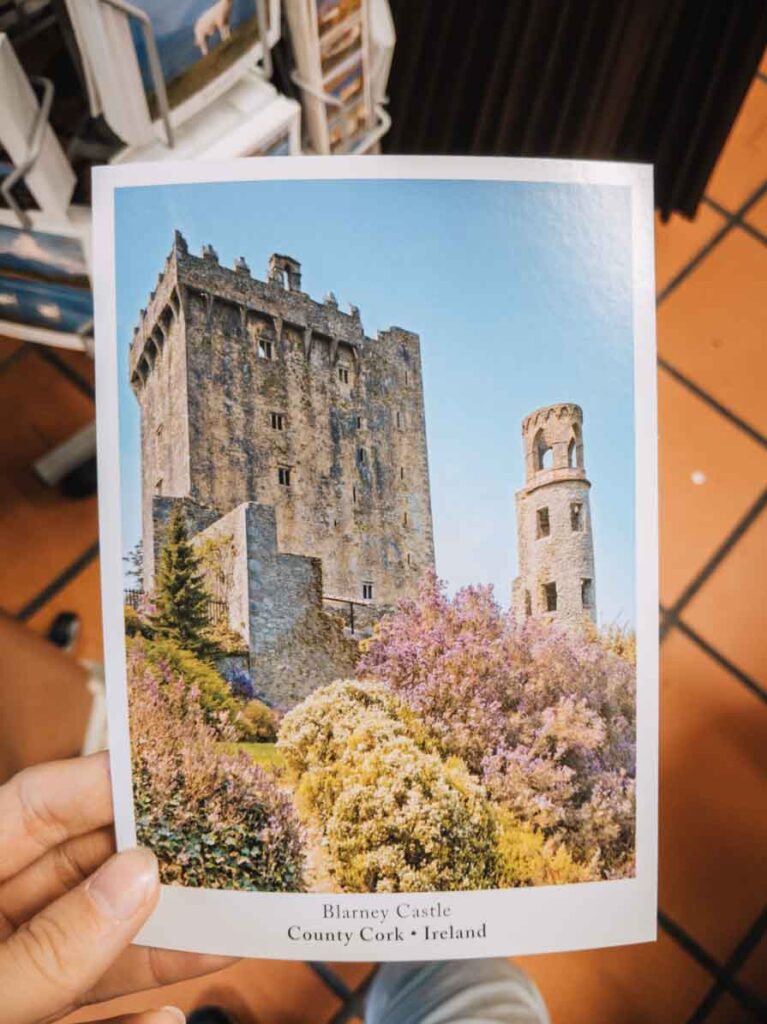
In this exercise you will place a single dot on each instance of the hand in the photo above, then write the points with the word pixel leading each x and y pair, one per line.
pixel 69 906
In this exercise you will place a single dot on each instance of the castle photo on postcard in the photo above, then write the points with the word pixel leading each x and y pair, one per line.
pixel 379 580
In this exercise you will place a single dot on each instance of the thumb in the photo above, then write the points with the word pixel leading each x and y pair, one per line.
pixel 54 958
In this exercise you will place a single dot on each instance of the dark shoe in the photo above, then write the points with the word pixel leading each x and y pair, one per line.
pixel 210 1015
pixel 64 630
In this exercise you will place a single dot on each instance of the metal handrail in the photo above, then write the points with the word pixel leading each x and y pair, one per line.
pixel 36 139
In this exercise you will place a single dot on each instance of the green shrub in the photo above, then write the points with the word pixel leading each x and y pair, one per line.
pixel 395 817
pixel 405 821
pixel 527 857
pixel 201 678
pixel 257 723
pixel 318 731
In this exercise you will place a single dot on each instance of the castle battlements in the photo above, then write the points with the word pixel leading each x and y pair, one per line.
pixel 268 305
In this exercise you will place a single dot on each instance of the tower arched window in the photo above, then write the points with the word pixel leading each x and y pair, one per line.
pixel 542 452
pixel 575 449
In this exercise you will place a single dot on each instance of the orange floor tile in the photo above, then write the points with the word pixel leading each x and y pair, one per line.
pixel 710 961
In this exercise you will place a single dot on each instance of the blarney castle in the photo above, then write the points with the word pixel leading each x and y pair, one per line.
pixel 281 428
pixel 287 433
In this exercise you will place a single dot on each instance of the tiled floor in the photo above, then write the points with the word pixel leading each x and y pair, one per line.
pixel 710 961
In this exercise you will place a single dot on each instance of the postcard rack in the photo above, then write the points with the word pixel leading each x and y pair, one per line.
pixel 332 48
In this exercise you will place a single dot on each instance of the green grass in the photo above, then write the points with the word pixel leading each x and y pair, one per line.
pixel 265 754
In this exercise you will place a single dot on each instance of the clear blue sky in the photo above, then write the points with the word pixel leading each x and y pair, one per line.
pixel 521 294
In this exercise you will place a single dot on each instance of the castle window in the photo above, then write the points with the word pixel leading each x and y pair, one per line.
pixel 402 472
pixel 277 420
pixel 576 517
pixel 571 454
pixel 354 495
pixel 343 374
pixel 359 423
pixel 158 487
pixel 399 419
pixel 408 558
pixel 367 591
pixel 542 523
pixel 550 596
pixel 587 593
pixel 283 476
pixel 407 381
pixel 265 349
pixel 404 518
pixel 542 452
pixel 361 457
pixel 528 604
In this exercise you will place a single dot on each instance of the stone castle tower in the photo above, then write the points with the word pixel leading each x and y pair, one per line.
pixel 554 539
pixel 275 420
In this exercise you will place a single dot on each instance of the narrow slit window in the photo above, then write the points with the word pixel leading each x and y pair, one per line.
pixel 550 596
pixel 543 524
pixel 362 457
pixel 404 518
pixel 576 516
pixel 399 420
pixel 359 423
pixel 354 495
pixel 367 591
pixel 277 420
pixel 158 487
pixel 402 472
pixel 587 593
pixel 283 476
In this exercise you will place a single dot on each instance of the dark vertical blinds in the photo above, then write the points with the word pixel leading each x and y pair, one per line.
pixel 652 80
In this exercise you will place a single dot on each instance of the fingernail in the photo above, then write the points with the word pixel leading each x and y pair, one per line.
pixel 124 883
pixel 176 1013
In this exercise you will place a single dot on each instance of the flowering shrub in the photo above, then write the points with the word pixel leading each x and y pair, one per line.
pixel 395 816
pixel 543 716
pixel 213 820
pixel 240 684
pixel 527 857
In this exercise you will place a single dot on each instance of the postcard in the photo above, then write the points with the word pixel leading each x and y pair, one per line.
pixel 377 457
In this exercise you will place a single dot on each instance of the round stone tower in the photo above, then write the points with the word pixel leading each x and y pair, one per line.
pixel 554 541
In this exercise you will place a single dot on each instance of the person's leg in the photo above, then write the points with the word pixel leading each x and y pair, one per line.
pixel 469 991
pixel 44 700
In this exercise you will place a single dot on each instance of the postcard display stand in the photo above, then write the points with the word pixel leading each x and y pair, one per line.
pixel 45 250
pixel 337 62
pixel 174 84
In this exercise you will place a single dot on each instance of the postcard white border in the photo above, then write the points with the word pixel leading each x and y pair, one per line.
pixel 518 921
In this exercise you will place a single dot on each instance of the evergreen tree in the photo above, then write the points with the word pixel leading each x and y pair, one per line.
pixel 181 598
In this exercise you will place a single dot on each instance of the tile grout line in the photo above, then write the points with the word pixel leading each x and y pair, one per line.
pixel 711 244
pixel 751 684
pixel 723 410
pixel 331 980
pixel 736 219
pixel 75 378
pixel 731 967
pixel 355 1004
pixel 58 583
pixel 744 995
pixel 724 549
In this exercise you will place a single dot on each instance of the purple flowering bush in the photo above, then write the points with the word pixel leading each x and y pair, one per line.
pixel 214 820
pixel 545 718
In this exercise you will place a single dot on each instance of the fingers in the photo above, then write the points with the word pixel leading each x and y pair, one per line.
pixel 56 872
pixel 52 960
pixel 142 967
pixel 44 806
